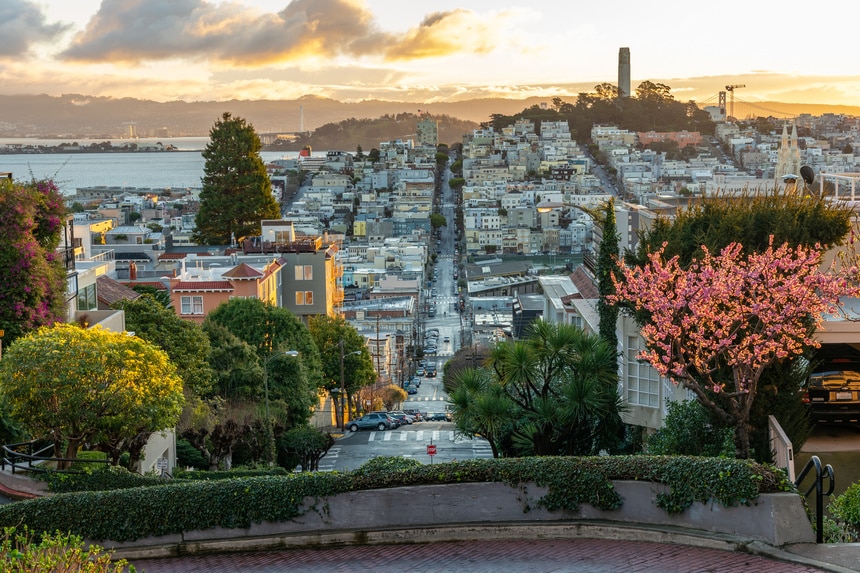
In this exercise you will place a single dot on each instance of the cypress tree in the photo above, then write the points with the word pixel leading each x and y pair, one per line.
pixel 237 192
pixel 606 262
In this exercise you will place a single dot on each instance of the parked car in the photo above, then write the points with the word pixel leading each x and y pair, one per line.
pixel 834 396
pixel 412 390
pixel 420 371
pixel 437 417
pixel 402 417
pixel 416 415
pixel 372 421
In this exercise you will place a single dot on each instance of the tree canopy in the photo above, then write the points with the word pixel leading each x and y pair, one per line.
pixel 327 333
pixel 753 220
pixel 85 385
pixel 184 341
pixel 32 292
pixel 237 192
pixel 554 393
pixel 651 108
pixel 730 311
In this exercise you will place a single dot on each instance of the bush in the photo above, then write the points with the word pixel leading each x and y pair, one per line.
pixel 23 551
pixel 688 430
pixel 103 478
pixel 179 505
pixel 187 456
pixel 845 509
pixel 230 474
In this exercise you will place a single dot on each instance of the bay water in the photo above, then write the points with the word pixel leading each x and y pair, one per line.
pixel 158 169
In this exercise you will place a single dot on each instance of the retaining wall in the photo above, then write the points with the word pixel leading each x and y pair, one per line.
pixel 425 513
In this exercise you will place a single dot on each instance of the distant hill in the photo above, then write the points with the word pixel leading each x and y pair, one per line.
pixel 346 135
pixel 74 116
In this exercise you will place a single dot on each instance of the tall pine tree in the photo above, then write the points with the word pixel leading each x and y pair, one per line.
pixel 237 193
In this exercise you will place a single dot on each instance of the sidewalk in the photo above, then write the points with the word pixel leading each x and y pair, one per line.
pixel 20 485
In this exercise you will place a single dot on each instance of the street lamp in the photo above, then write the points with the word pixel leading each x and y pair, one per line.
pixel 270 433
pixel 343 385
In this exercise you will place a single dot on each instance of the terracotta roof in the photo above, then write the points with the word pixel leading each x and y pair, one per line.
pixel 198 286
pixel 171 256
pixel 243 271
pixel 111 291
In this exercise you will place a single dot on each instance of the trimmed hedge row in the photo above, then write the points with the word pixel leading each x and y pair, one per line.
pixel 105 478
pixel 126 515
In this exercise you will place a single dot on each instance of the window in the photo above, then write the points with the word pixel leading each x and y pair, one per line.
pixel 87 298
pixel 191 305
pixel 304 273
pixel 304 297
pixel 643 382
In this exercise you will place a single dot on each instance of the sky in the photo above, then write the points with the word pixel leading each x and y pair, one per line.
pixel 438 50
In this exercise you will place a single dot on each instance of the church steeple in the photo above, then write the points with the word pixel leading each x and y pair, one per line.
pixel 788 156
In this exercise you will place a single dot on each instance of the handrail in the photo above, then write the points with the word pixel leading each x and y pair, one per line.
pixel 9 455
pixel 818 485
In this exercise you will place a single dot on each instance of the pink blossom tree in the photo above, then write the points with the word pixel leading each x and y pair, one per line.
pixel 730 313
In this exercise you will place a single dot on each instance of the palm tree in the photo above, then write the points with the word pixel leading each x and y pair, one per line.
pixel 564 383
pixel 481 407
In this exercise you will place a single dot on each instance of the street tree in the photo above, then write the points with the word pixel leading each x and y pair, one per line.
pixel 730 312
pixel 237 192
pixel 437 220
pixel 291 382
pixel 33 288
pixel 308 446
pixel 81 386
pixel 327 333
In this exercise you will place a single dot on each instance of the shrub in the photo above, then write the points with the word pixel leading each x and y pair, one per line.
pixel 23 551
pixel 688 430
pixel 102 478
pixel 845 509
pixel 189 456
pixel 230 474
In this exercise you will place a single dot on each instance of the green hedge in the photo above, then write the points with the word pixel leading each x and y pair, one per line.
pixel 124 515
pixel 231 474
pixel 102 478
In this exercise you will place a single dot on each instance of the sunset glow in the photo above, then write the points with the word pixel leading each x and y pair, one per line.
pixel 415 51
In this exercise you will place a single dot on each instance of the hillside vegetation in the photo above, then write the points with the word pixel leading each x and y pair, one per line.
pixel 346 135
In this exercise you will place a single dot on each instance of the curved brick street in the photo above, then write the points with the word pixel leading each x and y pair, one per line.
pixel 502 556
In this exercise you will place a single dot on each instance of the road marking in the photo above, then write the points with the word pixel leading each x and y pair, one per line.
pixel 419 435
pixel 403 436
pixel 386 437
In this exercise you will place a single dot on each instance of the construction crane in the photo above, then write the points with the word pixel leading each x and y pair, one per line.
pixel 731 89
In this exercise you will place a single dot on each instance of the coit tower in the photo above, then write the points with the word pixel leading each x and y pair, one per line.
pixel 624 72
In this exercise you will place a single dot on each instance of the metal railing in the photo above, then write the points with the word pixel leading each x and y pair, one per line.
pixel 33 460
pixel 818 486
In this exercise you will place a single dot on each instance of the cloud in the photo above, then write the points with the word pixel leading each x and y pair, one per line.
pixel 133 31
pixel 23 24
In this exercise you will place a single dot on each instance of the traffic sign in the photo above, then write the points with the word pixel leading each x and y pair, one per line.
pixel 431 449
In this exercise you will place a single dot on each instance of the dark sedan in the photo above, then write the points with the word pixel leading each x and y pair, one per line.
pixel 834 396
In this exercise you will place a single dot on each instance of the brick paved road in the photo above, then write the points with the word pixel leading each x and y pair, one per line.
pixel 502 556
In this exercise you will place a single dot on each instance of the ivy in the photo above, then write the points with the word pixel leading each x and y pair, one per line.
pixel 175 506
